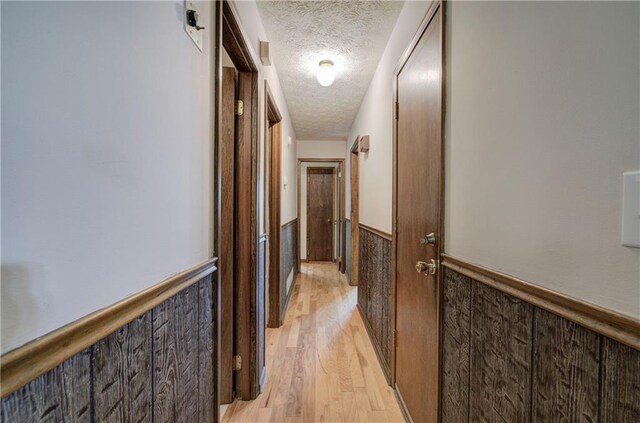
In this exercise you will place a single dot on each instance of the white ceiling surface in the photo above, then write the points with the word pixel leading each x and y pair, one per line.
pixel 353 34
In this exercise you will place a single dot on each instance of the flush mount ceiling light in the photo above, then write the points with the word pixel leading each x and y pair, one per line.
pixel 326 74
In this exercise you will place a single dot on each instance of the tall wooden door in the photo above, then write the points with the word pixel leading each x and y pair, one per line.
pixel 418 208
pixel 355 213
pixel 320 196
pixel 227 238
pixel 249 304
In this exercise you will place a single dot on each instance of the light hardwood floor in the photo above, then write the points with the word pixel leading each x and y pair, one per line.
pixel 321 366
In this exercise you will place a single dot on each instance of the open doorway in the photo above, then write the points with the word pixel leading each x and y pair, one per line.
pixel 240 328
pixel 276 289
pixel 322 224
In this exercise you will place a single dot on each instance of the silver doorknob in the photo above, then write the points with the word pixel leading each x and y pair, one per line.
pixel 429 239
pixel 430 268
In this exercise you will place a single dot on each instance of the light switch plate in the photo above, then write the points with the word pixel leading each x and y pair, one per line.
pixel 193 33
pixel 631 209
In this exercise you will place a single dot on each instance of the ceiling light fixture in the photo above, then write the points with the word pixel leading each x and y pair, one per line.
pixel 326 73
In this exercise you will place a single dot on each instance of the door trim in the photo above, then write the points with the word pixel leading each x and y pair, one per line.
pixel 431 11
pixel 274 176
pixel 226 236
pixel 354 182
pixel 231 37
pixel 342 223
pixel 217 194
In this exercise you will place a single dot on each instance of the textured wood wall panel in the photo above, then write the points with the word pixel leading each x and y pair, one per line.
pixel 620 400
pixel 159 367
pixel 566 361
pixel 363 288
pixel 501 328
pixel 206 374
pixel 348 253
pixel 123 374
pixel 60 395
pixel 175 358
pixel 374 293
pixel 456 335
pixel 528 364
pixel 385 299
pixel 289 251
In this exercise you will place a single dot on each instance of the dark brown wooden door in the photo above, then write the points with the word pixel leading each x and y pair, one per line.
pixel 249 305
pixel 355 220
pixel 320 184
pixel 226 262
pixel 419 175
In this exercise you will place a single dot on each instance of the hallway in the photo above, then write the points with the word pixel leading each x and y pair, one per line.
pixel 321 366
pixel 314 211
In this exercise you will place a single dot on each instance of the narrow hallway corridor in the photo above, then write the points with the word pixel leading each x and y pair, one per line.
pixel 321 366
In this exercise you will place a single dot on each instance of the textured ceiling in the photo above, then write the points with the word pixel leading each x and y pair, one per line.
pixel 352 34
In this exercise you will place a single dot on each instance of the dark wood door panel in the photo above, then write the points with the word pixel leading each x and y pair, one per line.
pixel 320 198
pixel 246 245
pixel 355 219
pixel 226 261
pixel 419 176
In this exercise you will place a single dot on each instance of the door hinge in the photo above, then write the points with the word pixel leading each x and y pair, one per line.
pixel 237 362
pixel 397 110
pixel 308 254
pixel 395 224
pixel 239 108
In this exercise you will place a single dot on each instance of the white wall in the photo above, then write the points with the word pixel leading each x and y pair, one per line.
pixel 303 206
pixel 321 149
pixel 252 25
pixel 543 119
pixel 289 191
pixel 106 158
pixel 374 118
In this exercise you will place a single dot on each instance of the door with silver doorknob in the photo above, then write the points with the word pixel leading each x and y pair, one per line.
pixel 430 268
pixel 418 236
pixel 320 209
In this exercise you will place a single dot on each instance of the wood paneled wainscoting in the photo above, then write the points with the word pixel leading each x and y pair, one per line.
pixel 347 250
pixel 289 252
pixel 374 292
pixel 512 351
pixel 148 358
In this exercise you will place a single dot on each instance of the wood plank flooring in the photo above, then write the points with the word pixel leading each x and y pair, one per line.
pixel 321 366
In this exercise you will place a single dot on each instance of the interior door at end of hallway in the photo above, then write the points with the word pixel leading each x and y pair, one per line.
pixel 320 209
